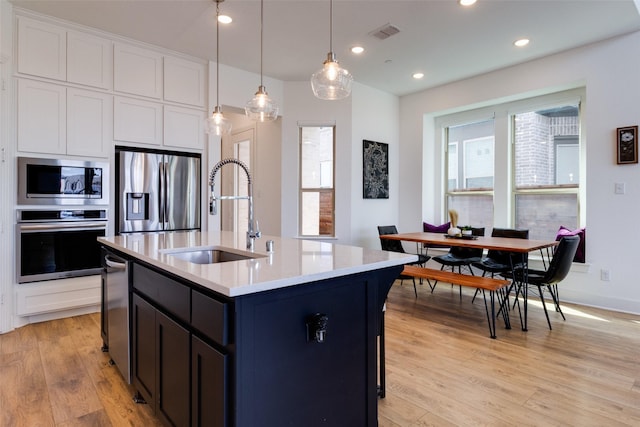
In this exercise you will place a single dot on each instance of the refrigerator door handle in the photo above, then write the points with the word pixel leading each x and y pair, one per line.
pixel 165 195
pixel 161 188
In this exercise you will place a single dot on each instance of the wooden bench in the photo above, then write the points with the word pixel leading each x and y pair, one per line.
pixel 493 285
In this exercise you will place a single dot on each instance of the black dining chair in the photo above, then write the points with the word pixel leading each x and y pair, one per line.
pixel 559 267
pixel 460 257
pixel 496 262
pixel 396 246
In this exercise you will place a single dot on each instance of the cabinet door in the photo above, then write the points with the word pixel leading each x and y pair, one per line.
pixel 137 121
pixel 208 385
pixel 42 49
pixel 143 352
pixel 173 344
pixel 184 81
pixel 42 117
pixel 183 127
pixel 88 123
pixel 89 60
pixel 137 71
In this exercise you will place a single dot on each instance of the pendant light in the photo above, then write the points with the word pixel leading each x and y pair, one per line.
pixel 261 108
pixel 331 82
pixel 218 124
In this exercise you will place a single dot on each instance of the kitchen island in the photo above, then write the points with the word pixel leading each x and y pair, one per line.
pixel 257 338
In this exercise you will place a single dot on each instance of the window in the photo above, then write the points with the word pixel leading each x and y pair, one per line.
pixel 470 172
pixel 317 193
pixel 547 169
pixel 516 164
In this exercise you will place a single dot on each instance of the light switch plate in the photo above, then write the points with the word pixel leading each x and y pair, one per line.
pixel 619 188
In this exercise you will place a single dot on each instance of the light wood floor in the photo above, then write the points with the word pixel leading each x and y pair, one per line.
pixel 442 369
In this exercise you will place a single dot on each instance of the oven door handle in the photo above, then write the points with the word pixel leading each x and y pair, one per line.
pixel 60 227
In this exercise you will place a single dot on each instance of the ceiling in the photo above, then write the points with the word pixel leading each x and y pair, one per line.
pixel 440 38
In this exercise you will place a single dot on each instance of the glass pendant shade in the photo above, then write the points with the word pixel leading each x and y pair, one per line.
pixel 332 81
pixel 218 124
pixel 261 108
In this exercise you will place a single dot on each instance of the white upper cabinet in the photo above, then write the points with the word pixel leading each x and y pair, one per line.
pixel 42 49
pixel 137 121
pixel 89 60
pixel 42 117
pixel 89 118
pixel 184 81
pixel 183 127
pixel 137 71
pixel 53 119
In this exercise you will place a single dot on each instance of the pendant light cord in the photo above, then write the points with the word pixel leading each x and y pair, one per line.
pixel 331 26
pixel 261 36
pixel 217 53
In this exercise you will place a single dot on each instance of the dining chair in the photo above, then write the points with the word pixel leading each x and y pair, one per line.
pixel 460 257
pixel 496 261
pixel 559 267
pixel 396 246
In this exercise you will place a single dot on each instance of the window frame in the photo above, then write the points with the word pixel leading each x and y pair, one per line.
pixel 302 190
pixel 505 192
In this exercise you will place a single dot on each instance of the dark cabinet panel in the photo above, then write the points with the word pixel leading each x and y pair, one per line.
pixel 210 317
pixel 298 382
pixel 169 294
pixel 144 348
pixel 173 370
pixel 209 385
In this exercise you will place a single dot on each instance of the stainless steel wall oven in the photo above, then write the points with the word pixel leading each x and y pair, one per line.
pixel 54 244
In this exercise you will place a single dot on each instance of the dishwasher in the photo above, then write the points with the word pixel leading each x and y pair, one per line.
pixel 115 279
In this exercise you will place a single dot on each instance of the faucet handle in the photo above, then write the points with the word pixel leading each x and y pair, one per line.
pixel 257 233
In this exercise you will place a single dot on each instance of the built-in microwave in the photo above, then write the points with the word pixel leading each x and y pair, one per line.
pixel 62 182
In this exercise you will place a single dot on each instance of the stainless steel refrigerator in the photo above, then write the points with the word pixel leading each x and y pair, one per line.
pixel 157 190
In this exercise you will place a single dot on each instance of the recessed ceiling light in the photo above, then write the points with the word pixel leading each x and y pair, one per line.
pixel 224 19
pixel 467 2
pixel 521 42
pixel 418 76
pixel 357 50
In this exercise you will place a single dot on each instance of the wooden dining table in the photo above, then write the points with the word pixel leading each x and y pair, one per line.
pixel 509 244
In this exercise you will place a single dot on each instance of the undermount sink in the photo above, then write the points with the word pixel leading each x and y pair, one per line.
pixel 210 256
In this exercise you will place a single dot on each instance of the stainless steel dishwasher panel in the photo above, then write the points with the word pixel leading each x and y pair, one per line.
pixel 116 271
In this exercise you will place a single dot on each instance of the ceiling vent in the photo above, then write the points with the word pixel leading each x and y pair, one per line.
pixel 385 31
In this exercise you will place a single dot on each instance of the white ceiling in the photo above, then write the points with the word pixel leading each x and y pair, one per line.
pixel 437 37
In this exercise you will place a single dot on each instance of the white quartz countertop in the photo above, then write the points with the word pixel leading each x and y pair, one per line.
pixel 293 261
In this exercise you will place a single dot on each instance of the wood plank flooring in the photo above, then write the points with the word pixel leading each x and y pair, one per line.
pixel 442 369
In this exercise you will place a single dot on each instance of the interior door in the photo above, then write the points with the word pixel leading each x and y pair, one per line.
pixel 234 214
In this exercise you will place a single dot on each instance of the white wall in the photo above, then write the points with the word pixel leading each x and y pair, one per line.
pixel 375 118
pixel 305 109
pixel 610 71
pixel 7 190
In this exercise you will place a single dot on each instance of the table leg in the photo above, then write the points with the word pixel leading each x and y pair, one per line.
pixel 525 281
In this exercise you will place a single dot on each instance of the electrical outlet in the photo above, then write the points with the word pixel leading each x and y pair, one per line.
pixel 605 275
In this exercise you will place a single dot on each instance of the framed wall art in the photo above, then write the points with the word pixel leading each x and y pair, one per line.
pixel 375 170
pixel 627 145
